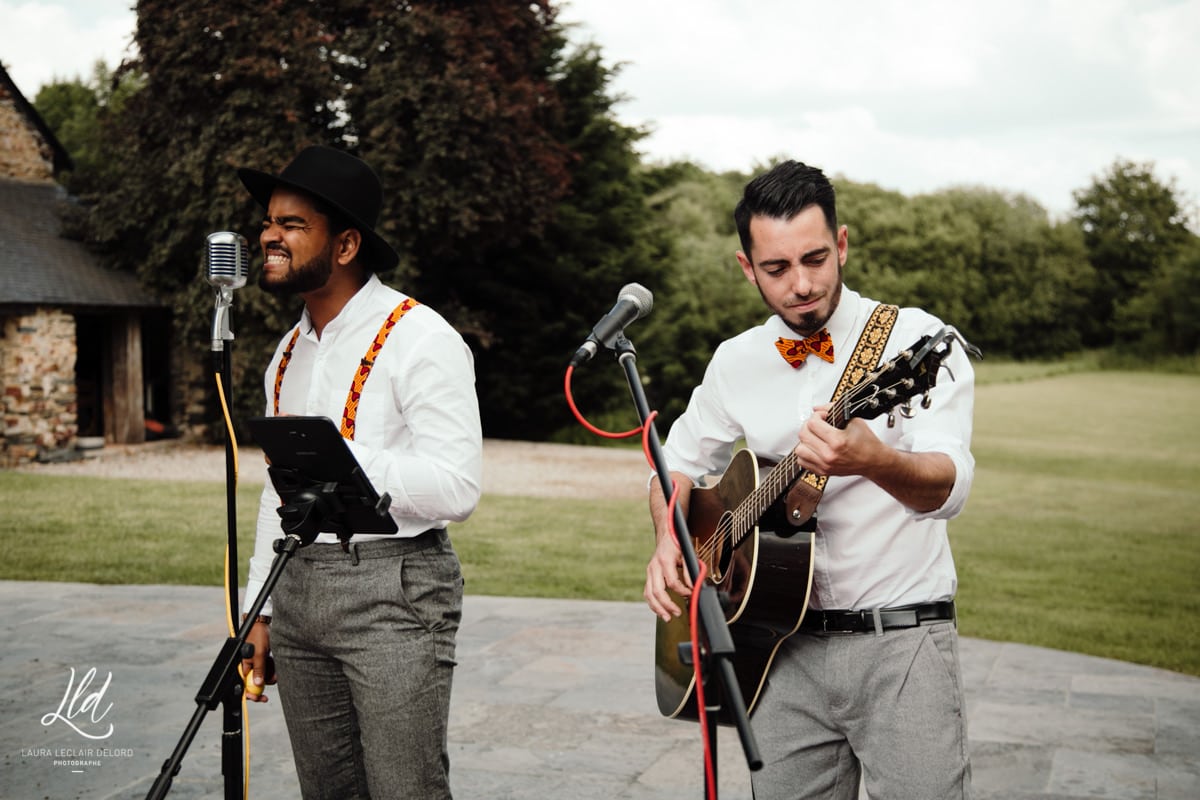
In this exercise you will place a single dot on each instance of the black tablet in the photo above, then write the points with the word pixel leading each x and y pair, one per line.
pixel 311 467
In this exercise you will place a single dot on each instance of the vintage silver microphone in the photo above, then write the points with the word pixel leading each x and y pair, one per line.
pixel 227 263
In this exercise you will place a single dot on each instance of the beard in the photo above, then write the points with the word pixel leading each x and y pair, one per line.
pixel 307 277
pixel 809 322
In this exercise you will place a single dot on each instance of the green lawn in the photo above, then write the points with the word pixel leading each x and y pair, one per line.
pixel 1083 529
pixel 1082 532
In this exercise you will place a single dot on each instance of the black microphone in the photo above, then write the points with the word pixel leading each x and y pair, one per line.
pixel 227 262
pixel 634 302
pixel 227 259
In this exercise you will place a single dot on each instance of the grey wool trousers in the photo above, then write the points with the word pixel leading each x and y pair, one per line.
pixel 364 650
pixel 885 709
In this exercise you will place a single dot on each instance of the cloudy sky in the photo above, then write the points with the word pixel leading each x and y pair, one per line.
pixel 1033 96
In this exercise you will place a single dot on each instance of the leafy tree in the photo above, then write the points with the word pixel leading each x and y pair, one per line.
pixel 518 199
pixel 989 263
pixel 221 86
pixel 1132 225
pixel 880 223
pixel 704 297
pixel 600 239
pixel 921 251
pixel 458 111
pixel 1033 276
pixel 70 109
pixel 495 157
pixel 1164 317
pixel 73 109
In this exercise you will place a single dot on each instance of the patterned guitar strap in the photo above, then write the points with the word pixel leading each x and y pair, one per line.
pixel 804 495
pixel 350 412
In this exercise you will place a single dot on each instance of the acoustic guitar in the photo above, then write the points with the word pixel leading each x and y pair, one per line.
pixel 754 532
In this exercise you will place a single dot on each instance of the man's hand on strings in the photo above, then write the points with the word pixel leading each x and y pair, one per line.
pixel 826 450
pixel 666 571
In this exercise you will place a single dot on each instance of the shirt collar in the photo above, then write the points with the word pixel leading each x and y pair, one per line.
pixel 844 322
pixel 350 311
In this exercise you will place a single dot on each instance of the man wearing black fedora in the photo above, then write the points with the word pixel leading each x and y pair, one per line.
pixel 362 634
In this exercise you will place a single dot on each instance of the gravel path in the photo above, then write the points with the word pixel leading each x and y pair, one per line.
pixel 530 469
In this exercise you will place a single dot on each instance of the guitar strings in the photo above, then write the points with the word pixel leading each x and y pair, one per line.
pixel 841 409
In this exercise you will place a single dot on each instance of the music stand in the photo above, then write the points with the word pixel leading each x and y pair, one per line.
pixel 322 486
pixel 323 489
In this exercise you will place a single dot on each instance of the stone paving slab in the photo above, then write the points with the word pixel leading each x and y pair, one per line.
pixel 552 699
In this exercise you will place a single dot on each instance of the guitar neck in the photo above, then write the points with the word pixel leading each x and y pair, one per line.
pixel 752 508
pixel 778 481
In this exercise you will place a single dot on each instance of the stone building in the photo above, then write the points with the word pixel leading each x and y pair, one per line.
pixel 82 347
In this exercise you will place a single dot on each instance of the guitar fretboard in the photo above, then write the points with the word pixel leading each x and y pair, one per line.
pixel 785 473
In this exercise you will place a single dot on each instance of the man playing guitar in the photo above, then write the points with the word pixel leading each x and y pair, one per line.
pixel 868 686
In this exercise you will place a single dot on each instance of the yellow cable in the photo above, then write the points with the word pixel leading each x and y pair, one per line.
pixel 228 610
pixel 228 427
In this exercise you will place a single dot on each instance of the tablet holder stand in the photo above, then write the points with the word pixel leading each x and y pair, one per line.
pixel 312 506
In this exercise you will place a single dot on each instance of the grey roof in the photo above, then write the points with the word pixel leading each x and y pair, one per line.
pixel 39 267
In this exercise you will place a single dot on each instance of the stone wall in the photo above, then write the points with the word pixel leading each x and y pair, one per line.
pixel 38 404
pixel 24 154
pixel 37 377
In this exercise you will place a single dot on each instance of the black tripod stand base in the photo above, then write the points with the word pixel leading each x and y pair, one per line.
pixel 222 686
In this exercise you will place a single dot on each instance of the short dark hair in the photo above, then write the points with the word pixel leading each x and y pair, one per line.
pixel 783 192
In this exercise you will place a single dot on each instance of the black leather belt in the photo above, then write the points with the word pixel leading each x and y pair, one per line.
pixel 876 620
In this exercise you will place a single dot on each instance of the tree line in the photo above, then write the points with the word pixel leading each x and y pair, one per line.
pixel 520 206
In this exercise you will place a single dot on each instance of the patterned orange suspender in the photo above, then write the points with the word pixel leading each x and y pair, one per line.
pixel 350 412
pixel 284 360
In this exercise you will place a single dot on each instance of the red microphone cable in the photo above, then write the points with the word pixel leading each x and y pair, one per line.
pixel 693 601
pixel 583 421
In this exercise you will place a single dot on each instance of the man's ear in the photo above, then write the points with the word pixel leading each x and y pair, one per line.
pixel 349 245
pixel 747 267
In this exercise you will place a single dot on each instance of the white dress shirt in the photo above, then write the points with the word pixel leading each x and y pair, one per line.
pixel 417 433
pixel 870 551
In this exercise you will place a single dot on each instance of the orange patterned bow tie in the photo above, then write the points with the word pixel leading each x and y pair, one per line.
pixel 794 351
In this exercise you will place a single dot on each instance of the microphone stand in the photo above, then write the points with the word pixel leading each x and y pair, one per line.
pixel 233 726
pixel 715 658
pixel 223 366
pixel 221 685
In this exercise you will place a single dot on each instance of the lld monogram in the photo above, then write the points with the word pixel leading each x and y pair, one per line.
pixel 78 701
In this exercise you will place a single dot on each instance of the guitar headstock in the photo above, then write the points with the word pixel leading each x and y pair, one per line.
pixel 912 372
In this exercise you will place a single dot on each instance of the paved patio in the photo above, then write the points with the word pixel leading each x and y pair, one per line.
pixel 552 699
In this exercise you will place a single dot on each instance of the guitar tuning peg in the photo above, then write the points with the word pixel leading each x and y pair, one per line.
pixel 906 411
pixel 926 402
pixel 891 419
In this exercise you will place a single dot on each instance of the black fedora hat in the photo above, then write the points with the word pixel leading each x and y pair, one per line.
pixel 346 183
